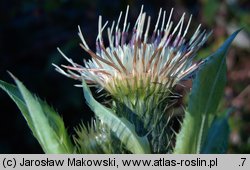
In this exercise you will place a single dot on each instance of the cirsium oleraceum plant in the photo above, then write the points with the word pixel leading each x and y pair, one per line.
pixel 138 70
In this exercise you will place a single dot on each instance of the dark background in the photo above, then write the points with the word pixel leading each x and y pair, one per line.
pixel 31 30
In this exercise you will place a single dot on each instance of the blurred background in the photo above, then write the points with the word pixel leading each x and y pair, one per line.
pixel 31 30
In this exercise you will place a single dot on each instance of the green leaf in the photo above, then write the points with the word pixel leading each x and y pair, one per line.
pixel 46 125
pixel 207 90
pixel 123 129
pixel 217 138
pixel 57 125
pixel 16 96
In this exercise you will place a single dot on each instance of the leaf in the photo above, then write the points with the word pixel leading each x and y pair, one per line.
pixel 217 138
pixel 57 124
pixel 46 125
pixel 16 96
pixel 123 129
pixel 208 86
pixel 207 90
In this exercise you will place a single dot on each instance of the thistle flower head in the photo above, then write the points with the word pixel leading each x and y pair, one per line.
pixel 135 60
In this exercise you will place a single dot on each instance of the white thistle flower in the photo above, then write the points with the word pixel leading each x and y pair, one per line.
pixel 136 63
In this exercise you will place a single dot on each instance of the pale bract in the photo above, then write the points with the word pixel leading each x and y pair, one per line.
pixel 137 59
